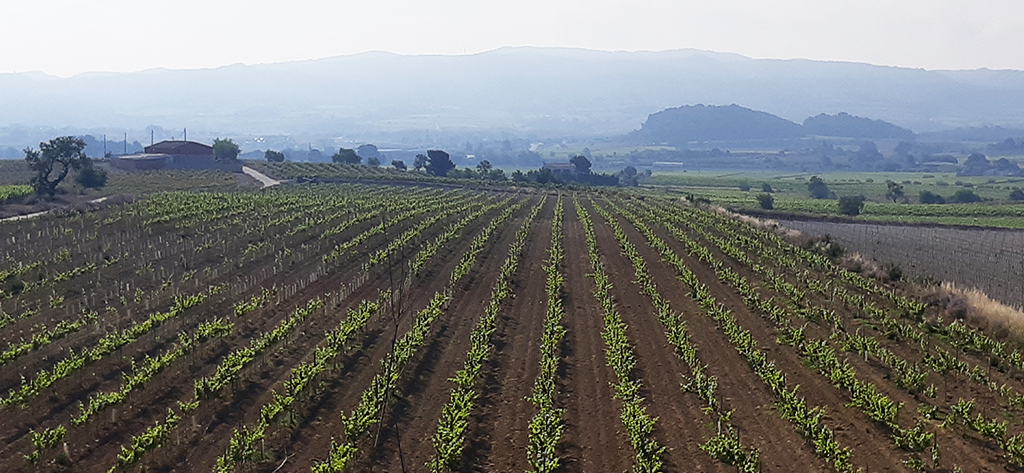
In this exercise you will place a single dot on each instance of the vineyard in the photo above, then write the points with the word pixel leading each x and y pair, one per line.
pixel 371 327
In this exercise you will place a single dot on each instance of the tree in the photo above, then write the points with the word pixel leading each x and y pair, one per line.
pixel 766 200
pixel 976 165
pixel 225 150
pixel 439 163
pixel 767 188
pixel 895 191
pixel 91 177
pixel 818 188
pixel 374 161
pixel 851 205
pixel 65 152
pixel 420 162
pixel 346 156
pixel 274 156
pixel 581 163
pixel 484 167
pixel 869 151
pixel 628 177
pixel 976 159
pixel 1017 194
pixel 368 151
pixel 496 175
pixel 399 165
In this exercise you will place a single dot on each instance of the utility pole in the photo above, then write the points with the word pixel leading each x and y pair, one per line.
pixel 125 144
pixel 104 145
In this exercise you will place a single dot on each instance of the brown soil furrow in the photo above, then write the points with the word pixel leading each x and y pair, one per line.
pixel 681 426
pixel 426 388
pixel 869 441
pixel 740 389
pixel 594 439
pixel 954 450
pixel 498 429
pixel 310 442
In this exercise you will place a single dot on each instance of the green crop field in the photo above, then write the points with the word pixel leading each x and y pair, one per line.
pixel 791 196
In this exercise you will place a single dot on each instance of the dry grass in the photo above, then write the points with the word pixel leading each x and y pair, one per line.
pixel 980 310
pixel 765 224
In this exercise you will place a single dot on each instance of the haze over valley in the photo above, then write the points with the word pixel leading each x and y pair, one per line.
pixel 527 94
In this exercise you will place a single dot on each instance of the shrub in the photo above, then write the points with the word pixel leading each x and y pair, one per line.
pixel 893 271
pixel 273 156
pixel 744 187
pixel 766 200
pixel 91 178
pixel 928 197
pixel 965 196
pixel 851 204
pixel 765 187
pixel 1017 195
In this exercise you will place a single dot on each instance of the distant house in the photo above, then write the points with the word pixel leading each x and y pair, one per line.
pixel 176 154
pixel 560 168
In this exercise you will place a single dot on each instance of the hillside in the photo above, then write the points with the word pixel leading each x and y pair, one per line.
pixel 699 123
pixel 677 126
pixel 849 126
pixel 541 91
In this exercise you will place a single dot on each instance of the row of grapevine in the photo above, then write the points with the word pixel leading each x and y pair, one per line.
pixel 807 420
pixel 822 357
pixel 44 336
pixel 450 438
pixel 367 413
pixel 204 388
pixel 417 210
pixel 142 374
pixel 243 441
pixel 406 236
pixel 104 346
pixel 907 376
pixel 449 233
pixel 545 428
pixel 621 358
pixel 725 444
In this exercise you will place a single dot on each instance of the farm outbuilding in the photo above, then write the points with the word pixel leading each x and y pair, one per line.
pixel 560 168
pixel 176 154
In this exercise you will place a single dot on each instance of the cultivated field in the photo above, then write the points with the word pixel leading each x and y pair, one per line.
pixel 989 259
pixel 386 328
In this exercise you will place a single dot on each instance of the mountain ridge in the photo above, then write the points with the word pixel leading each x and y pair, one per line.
pixel 525 90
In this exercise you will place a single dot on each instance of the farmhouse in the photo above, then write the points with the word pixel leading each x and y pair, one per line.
pixel 560 168
pixel 176 154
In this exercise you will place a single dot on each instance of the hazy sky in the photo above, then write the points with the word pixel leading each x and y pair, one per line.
pixel 66 37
